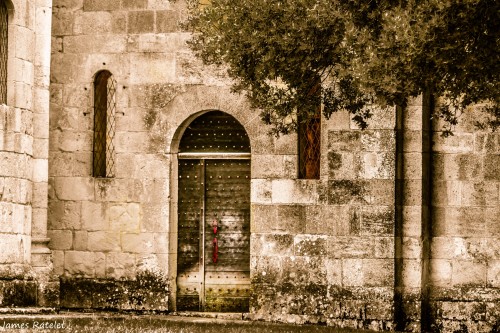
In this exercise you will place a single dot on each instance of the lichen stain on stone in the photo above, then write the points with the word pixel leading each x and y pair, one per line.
pixel 160 95
pixel 147 292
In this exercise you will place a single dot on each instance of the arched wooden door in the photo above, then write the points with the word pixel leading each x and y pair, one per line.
pixel 213 254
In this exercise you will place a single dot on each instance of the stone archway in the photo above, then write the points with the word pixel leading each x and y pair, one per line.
pixel 213 216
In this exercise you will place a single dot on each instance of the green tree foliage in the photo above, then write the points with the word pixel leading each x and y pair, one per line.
pixel 366 53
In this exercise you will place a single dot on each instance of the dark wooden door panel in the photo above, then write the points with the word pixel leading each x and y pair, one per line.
pixel 214 192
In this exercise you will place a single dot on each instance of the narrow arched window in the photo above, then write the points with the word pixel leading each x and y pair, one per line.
pixel 309 137
pixel 4 27
pixel 104 124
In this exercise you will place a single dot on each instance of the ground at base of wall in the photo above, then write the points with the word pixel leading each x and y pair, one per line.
pixel 128 323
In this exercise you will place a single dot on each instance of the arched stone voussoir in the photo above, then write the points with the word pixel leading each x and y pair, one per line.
pixel 196 100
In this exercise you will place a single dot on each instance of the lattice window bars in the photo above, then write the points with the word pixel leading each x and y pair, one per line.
pixel 104 125
pixel 4 22
pixel 309 137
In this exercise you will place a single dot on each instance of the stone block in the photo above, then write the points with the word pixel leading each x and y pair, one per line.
pixel 119 22
pixel 80 240
pixel 98 5
pixel 62 23
pixel 60 239
pixel 137 243
pixel 159 4
pixel 263 218
pixel 334 272
pixel 384 247
pixel 443 248
pixel 412 141
pixel 89 23
pixel 465 272
pixel 261 191
pixel 131 142
pixel 461 221
pixel 151 166
pixel 348 141
pixel 290 218
pixel 304 271
pixel 411 273
pixel 350 247
pixel 75 164
pixel 458 143
pixel 310 245
pixel 112 189
pixel 58 262
pixel 352 272
pixel 457 167
pixel 378 272
pixel 141 21
pixel 81 263
pixel 152 191
pixel 103 241
pixel 446 193
pixel 440 272
pixel 343 165
pixel 492 167
pixel 167 21
pixel 377 165
pixel 411 248
pixel 267 166
pixel 11 249
pixel 412 166
pixel 378 192
pixel 327 219
pixel 161 243
pixel 94 216
pixel 342 192
pixel 377 220
pixel 294 191
pixel 134 4
pixel 272 244
pixel 74 188
pixel 155 218
pixel 493 221
pixel 64 215
pixel 378 140
pixel 493 274
pixel 18 293
pixel 120 266
pixel 479 193
pixel 487 142
pixel 265 269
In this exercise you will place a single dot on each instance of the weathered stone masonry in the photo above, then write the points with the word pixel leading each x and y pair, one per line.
pixel 25 256
pixel 401 231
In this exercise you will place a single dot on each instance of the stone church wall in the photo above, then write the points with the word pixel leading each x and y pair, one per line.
pixel 24 256
pixel 464 277
pixel 401 231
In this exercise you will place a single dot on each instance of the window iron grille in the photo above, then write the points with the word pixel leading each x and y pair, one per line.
pixel 309 135
pixel 104 125
pixel 4 27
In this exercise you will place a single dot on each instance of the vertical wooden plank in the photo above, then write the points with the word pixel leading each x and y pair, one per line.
pixel 189 222
pixel 202 235
pixel 228 201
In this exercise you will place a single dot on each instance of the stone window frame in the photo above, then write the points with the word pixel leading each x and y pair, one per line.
pixel 104 124
pixel 6 12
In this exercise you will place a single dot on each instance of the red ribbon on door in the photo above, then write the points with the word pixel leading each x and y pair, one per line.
pixel 215 254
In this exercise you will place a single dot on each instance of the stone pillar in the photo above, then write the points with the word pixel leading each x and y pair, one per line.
pixel 412 214
pixel 40 254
